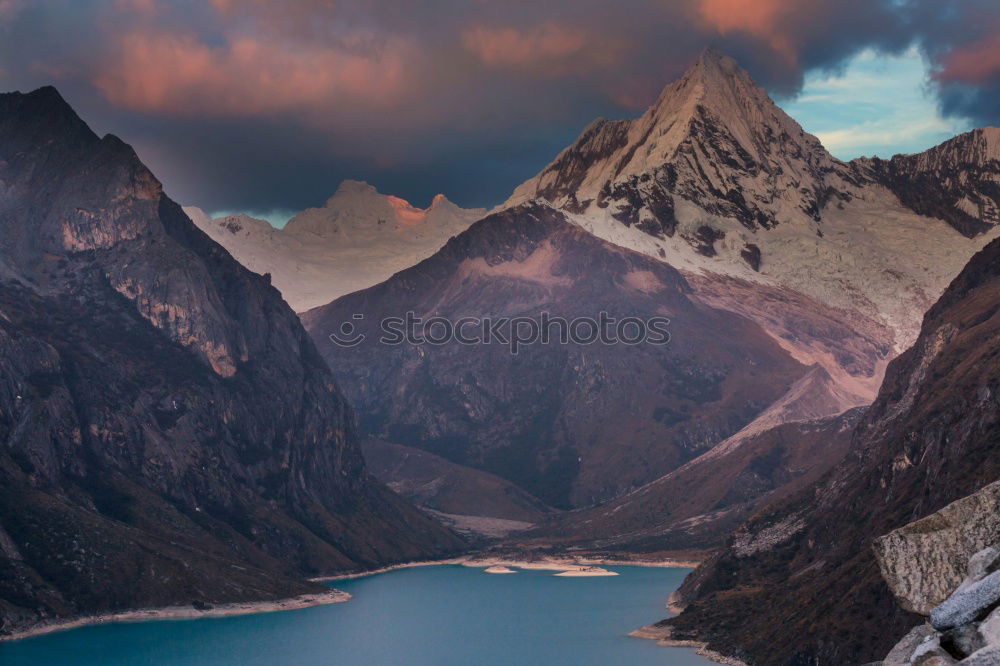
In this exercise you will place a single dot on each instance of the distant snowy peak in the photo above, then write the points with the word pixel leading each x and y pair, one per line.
pixel 357 209
pixel 357 239
pixel 713 138
pixel 239 224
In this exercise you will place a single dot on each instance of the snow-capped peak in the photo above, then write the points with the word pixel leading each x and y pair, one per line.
pixel 441 200
pixel 358 209
pixel 712 137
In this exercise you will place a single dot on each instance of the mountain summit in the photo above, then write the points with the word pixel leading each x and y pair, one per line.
pixel 711 137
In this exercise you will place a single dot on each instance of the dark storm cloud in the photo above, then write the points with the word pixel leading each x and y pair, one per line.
pixel 259 105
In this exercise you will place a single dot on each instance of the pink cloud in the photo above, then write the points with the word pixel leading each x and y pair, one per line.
pixel 145 7
pixel 504 46
pixel 178 74
pixel 974 64
pixel 760 18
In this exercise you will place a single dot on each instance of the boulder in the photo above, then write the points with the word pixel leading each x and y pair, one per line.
pixel 988 656
pixel 930 653
pixel 982 564
pixel 924 561
pixel 968 603
pixel 902 653
pixel 989 629
pixel 962 641
pixel 937 659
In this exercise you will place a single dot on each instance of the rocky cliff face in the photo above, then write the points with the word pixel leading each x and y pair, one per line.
pixel 169 432
pixel 957 181
pixel 799 582
pixel 572 424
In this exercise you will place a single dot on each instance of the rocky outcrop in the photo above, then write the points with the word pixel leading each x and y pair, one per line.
pixel 963 629
pixel 946 567
pixel 168 432
pixel 923 562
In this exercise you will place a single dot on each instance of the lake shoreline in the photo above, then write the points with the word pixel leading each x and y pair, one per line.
pixel 184 613
pixel 662 636
pixel 544 564
pixel 333 596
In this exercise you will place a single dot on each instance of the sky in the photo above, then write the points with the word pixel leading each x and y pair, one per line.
pixel 264 107
pixel 878 104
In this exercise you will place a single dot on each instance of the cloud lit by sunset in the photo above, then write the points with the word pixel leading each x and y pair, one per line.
pixel 413 102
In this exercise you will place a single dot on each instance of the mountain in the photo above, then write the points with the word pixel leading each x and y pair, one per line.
pixel 715 179
pixel 471 501
pixel 696 506
pixel 572 424
pixel 170 433
pixel 358 238
pixel 799 583
pixel 717 187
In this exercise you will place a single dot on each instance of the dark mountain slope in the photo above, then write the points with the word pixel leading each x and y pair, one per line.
pixel 571 424
pixel 440 485
pixel 695 507
pixel 167 430
pixel 799 584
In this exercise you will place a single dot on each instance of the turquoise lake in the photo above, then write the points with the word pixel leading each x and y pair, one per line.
pixel 440 615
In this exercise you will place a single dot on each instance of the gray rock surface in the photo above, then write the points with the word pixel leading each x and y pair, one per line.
pixel 902 653
pixel 924 561
pixel 988 656
pixel 936 659
pixel 989 629
pixel 930 653
pixel 962 641
pixel 982 564
pixel 967 603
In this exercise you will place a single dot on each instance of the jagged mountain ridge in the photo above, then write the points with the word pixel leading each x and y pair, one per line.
pixel 358 238
pixel 799 582
pixel 169 431
pixel 955 181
